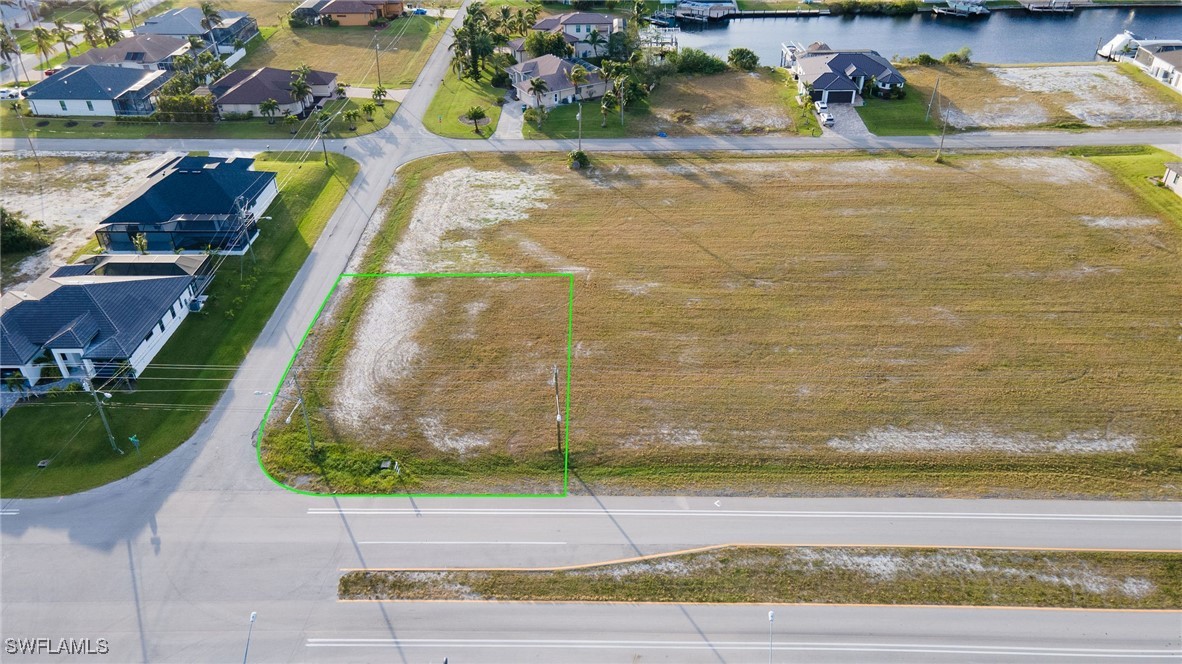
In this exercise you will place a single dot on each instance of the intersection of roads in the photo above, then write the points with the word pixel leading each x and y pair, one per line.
pixel 169 564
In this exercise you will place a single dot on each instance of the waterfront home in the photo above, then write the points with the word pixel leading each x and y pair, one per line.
pixel 192 204
pixel 184 23
pixel 838 76
pixel 1162 61
pixel 576 27
pixel 98 91
pixel 104 316
pixel 135 52
pixel 245 90
pixel 1173 177
pixel 555 72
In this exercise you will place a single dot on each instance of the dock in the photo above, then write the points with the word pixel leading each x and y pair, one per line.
pixel 773 13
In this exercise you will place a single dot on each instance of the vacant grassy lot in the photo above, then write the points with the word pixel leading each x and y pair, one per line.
pixel 1001 325
pixel 174 395
pixel 831 575
pixel 1058 96
pixel 403 49
pixel 727 103
pixel 454 98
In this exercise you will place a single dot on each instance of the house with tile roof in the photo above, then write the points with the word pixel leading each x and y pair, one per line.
pixel 555 71
pixel 244 90
pixel 360 12
pixel 105 316
pixel 840 76
pixel 135 52
pixel 193 204
pixel 99 91
pixel 576 27
pixel 186 22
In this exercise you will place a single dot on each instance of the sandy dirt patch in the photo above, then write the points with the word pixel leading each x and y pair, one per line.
pixel 439 237
pixel 78 190
pixel 1045 169
pixel 939 439
pixel 1098 95
pixel 728 103
pixel 1119 222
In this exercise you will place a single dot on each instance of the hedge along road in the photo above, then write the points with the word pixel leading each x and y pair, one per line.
pixel 169 563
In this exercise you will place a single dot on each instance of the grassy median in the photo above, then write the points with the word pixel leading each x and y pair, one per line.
pixel 814 575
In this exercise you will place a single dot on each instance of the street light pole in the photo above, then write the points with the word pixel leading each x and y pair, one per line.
pixel 250 631
pixel 771 620
pixel 580 117
pixel 102 413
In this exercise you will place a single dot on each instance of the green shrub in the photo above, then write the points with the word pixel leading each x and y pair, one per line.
pixel 960 57
pixel 693 61
pixel 500 79
pixel 16 234
pixel 297 23
pixel 577 159
pixel 743 59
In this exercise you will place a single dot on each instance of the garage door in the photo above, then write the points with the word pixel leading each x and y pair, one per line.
pixel 841 96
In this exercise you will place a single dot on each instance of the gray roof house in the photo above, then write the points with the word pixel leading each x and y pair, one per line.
pixel 186 22
pixel 243 90
pixel 136 52
pixel 106 316
pixel 555 71
pixel 839 76
pixel 577 26
pixel 193 204
pixel 97 90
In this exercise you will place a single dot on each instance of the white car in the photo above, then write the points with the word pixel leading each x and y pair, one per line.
pixel 826 119
pixel 9 93
pixel 820 106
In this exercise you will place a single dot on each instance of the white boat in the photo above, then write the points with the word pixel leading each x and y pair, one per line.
pixel 1125 45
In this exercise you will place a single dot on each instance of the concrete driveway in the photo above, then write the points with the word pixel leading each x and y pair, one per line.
pixel 846 122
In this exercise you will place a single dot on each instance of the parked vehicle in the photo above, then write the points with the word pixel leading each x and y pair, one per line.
pixel 826 119
pixel 419 11
pixel 10 93
pixel 50 72
pixel 820 106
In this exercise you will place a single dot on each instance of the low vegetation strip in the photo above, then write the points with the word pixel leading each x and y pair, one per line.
pixel 821 575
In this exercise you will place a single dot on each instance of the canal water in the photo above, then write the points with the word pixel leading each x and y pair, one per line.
pixel 1004 37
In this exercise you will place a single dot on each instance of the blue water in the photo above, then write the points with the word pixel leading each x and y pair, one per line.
pixel 1002 37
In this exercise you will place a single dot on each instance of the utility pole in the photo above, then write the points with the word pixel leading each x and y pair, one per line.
pixel 300 393
pixel 322 124
pixel 943 131
pixel 377 62
pixel 580 118
pixel 130 17
pixel 102 413
pixel 935 91
pixel 557 410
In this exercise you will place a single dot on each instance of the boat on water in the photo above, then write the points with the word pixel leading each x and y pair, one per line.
pixel 1124 46
pixel 1052 7
pixel 962 9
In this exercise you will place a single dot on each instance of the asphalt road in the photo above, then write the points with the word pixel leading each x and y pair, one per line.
pixel 169 563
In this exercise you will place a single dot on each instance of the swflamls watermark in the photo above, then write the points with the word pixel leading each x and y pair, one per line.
pixel 43 646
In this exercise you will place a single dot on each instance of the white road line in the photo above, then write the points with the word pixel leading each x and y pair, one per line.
pixel 474 543
pixel 9 512
pixel 990 516
pixel 935 648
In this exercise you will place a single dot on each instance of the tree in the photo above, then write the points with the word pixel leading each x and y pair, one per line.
pixel 595 41
pixel 16 234
pixel 64 34
pixel 103 13
pixel 351 116
pixel 196 43
pixel 141 242
pixel 538 43
pixel 638 9
pixel 112 35
pixel 579 77
pixel 368 108
pixel 92 33
pixel 379 95
pixel 43 41
pixel 743 59
pixel 607 105
pixel 342 91
pixel 292 122
pixel 300 90
pixel 537 88
pixel 10 50
pixel 210 17
pixel 269 108
pixel 475 115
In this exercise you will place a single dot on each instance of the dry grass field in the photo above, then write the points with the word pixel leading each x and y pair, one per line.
pixel 998 325
pixel 1071 95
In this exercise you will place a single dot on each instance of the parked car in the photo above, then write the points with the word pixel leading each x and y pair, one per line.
pixel 10 93
pixel 826 119
pixel 419 11
pixel 50 72
pixel 820 106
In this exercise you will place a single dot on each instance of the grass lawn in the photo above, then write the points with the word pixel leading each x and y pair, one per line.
pixel 169 404
pixel 454 98
pixel 1002 325
pixel 60 58
pixel 404 48
pixel 84 127
pixel 728 103
pixel 900 117
pixel 815 575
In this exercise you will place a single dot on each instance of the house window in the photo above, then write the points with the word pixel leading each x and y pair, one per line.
pixel 63 104
pixel 161 324
pixel 90 106
pixel 172 309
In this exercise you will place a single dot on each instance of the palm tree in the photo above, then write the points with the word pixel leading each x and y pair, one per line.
pixel 379 96
pixel 579 77
pixel 292 122
pixel 369 108
pixel 269 108
pixel 475 115
pixel 104 14
pixel 43 41
pixel 606 106
pixel 638 9
pixel 342 91
pixel 64 34
pixel 92 33
pixel 303 71
pixel 537 88
pixel 112 35
pixel 351 116
pixel 210 17
pixel 595 41
pixel 10 50
pixel 300 90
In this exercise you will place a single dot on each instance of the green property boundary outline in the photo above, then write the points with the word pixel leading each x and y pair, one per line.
pixel 570 318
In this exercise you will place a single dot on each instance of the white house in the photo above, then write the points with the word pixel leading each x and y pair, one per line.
pixel 1173 177
pixel 97 91
pixel 577 28
pixel 1163 62
pixel 555 71
pixel 105 316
